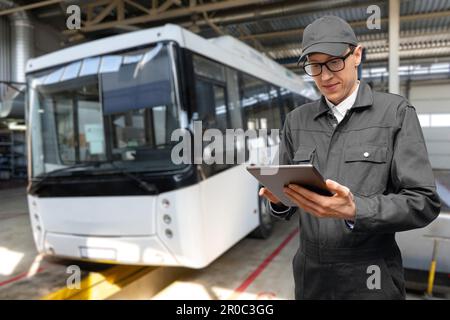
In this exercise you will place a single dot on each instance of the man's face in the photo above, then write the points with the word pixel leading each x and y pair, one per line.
pixel 337 86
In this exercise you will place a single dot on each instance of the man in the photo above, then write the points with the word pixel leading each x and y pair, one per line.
pixel 371 147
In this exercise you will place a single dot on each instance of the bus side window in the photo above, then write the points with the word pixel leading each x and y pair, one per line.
pixel 234 102
pixel 211 104
pixel 210 92
pixel 256 103
pixel 276 107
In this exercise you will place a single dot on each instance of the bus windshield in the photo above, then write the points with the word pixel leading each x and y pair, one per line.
pixel 117 108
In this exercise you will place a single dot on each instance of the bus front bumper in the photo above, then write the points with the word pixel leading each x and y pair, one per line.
pixel 122 250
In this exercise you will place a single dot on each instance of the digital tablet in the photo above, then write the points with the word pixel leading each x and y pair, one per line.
pixel 275 178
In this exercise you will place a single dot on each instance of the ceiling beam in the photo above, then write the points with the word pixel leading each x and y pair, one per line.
pixel 215 27
pixel 167 4
pixel 285 9
pixel 138 6
pixel 354 24
pixel 172 13
pixel 438 38
pixel 39 4
pixel 256 42
pixel 103 14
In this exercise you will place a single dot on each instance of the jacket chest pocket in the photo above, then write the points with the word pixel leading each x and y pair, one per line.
pixel 304 154
pixel 365 169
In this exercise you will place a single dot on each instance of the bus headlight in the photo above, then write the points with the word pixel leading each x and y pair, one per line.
pixel 169 233
pixel 167 219
pixel 165 203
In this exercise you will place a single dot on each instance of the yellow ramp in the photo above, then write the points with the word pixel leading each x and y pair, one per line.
pixel 102 285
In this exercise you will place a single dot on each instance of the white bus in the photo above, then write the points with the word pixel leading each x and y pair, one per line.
pixel 102 185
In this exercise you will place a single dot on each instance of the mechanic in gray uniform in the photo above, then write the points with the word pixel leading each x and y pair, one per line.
pixel 370 147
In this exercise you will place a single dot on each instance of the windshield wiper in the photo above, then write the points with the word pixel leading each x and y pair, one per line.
pixel 35 186
pixel 141 183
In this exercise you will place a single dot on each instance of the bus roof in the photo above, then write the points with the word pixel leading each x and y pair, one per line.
pixel 225 49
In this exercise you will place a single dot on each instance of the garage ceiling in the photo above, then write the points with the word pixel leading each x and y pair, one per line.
pixel 272 26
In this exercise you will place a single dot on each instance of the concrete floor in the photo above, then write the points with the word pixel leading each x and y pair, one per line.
pixel 23 273
pixel 265 272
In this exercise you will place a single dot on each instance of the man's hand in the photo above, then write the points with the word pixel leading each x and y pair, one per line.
pixel 264 192
pixel 340 205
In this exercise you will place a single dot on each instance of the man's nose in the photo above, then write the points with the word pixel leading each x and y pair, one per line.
pixel 326 74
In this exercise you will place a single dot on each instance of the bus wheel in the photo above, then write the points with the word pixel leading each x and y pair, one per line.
pixel 264 230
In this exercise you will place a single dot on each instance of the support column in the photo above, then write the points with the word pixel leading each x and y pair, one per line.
pixel 394 47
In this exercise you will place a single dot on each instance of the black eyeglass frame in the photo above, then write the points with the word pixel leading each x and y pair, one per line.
pixel 352 50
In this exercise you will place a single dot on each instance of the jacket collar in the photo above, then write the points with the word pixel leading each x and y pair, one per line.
pixel 364 98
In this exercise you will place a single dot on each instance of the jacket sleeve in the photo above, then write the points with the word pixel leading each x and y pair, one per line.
pixel 284 156
pixel 413 202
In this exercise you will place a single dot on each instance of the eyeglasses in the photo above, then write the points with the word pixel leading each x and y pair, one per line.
pixel 334 65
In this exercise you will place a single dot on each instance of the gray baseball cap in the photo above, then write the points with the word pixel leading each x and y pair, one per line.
pixel 329 34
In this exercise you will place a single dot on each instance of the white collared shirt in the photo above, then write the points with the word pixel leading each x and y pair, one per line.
pixel 341 109
pixel 339 112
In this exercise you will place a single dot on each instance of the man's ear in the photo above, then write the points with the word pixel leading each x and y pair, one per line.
pixel 358 55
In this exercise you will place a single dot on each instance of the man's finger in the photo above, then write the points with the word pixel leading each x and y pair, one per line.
pixel 304 206
pixel 305 203
pixel 318 199
pixel 264 192
pixel 338 188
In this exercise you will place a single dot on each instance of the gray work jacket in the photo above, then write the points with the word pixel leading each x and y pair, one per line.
pixel 378 152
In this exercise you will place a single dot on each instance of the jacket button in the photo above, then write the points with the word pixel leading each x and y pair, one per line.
pixel 366 154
